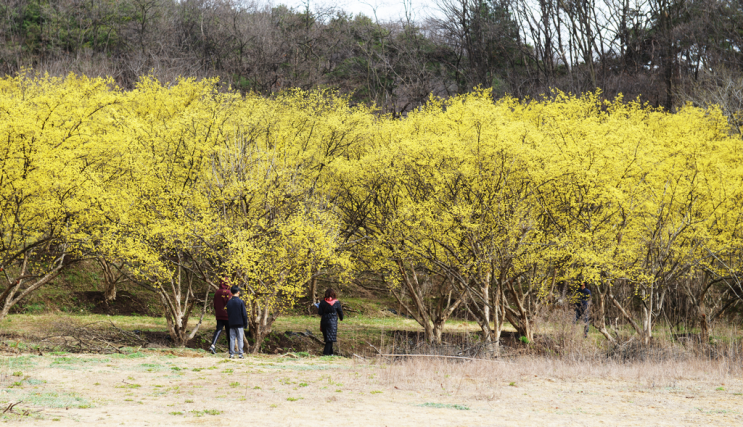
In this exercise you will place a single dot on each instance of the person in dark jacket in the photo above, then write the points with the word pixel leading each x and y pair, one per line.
pixel 583 298
pixel 238 320
pixel 330 310
pixel 221 297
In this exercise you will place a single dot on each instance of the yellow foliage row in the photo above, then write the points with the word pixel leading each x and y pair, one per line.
pixel 272 190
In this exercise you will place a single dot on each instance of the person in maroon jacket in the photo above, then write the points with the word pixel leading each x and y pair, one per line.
pixel 221 297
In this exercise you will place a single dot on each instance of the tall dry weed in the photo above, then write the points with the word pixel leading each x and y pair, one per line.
pixel 483 379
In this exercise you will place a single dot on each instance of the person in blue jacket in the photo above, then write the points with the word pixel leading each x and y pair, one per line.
pixel 238 319
pixel 330 309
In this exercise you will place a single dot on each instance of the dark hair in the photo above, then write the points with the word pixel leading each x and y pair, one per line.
pixel 330 293
pixel 234 290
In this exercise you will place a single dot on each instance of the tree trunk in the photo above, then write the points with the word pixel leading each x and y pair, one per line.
pixel 177 319
pixel 203 313
pixel 599 321
pixel 499 314
pixel 13 293
pixel 647 315
pixel 109 280
pixel 520 319
pixel 110 291
pixel 432 317
pixel 260 322
pixel 178 305
pixel 312 290
pixel 624 312
pixel 420 314
pixel 703 328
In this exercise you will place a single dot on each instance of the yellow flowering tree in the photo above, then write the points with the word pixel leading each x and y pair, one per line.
pixel 273 233
pixel 52 172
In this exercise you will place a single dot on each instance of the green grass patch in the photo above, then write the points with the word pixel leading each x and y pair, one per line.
pixel 132 355
pixel 128 386
pixel 56 400
pixel 18 363
pixel 205 412
pixel 445 406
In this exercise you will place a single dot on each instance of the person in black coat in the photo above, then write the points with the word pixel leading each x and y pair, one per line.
pixel 330 310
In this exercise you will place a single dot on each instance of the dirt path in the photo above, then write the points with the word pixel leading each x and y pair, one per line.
pixel 272 391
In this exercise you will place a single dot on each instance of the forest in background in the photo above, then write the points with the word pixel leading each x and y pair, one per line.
pixel 666 52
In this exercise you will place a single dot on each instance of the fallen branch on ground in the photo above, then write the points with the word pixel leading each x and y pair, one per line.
pixel 11 406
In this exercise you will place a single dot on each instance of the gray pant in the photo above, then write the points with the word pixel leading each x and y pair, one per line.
pixel 236 334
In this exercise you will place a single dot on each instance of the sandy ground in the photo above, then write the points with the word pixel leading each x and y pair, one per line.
pixel 151 389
